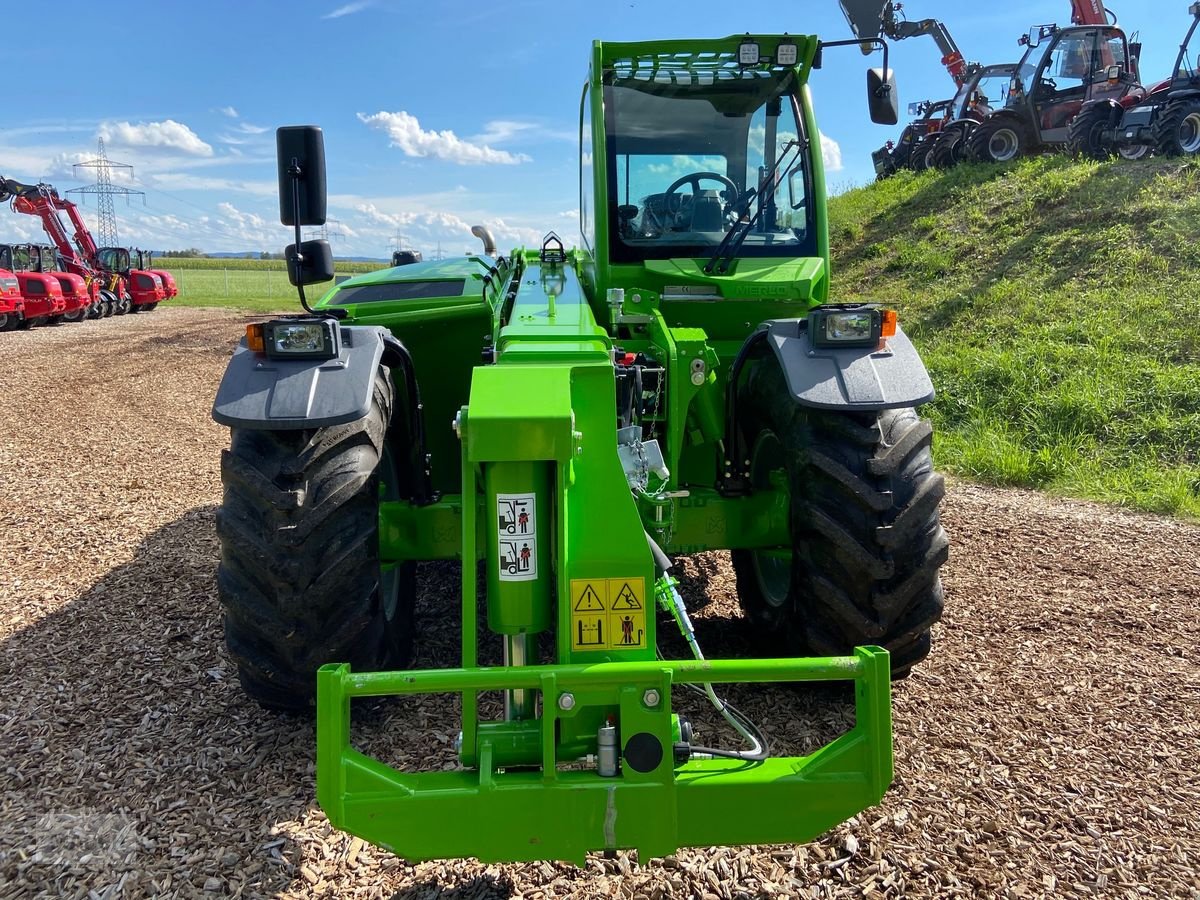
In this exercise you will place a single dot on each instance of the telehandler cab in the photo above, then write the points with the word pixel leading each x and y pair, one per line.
pixel 1061 70
pixel 1167 121
pixel 570 419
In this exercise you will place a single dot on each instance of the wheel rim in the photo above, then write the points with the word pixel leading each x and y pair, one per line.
pixel 1003 145
pixel 389 573
pixel 1189 133
pixel 1133 152
pixel 772 568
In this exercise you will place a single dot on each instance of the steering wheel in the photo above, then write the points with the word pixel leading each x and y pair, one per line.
pixel 694 179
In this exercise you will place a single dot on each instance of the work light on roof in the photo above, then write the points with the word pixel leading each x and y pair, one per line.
pixel 748 54
pixel 786 54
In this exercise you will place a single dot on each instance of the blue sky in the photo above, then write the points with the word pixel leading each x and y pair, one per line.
pixel 436 115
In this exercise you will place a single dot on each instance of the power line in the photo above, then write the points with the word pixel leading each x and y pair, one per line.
pixel 106 218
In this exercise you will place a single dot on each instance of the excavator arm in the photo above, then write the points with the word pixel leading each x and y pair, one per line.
pixel 877 18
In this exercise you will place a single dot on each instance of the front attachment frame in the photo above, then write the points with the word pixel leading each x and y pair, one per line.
pixel 537 809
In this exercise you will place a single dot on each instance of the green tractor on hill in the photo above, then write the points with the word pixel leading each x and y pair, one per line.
pixel 570 420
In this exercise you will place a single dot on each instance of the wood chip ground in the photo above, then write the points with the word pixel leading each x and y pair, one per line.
pixel 1048 747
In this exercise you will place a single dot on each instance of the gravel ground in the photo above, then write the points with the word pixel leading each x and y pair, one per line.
pixel 1048 747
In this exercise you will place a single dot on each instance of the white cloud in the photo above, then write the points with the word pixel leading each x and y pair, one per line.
pixel 501 130
pixel 348 9
pixel 831 153
pixel 168 134
pixel 405 132
pixel 241 219
pixel 228 111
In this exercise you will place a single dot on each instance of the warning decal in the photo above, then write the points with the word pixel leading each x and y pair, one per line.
pixel 588 600
pixel 516 529
pixel 608 614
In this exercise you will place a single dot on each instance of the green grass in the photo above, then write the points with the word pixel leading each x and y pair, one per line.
pixel 1055 304
pixel 247 284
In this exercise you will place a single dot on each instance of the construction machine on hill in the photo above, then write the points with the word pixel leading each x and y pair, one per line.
pixel 984 91
pixel 1061 70
pixel 911 151
pixel 885 19
pixel 1166 121
pixel 682 381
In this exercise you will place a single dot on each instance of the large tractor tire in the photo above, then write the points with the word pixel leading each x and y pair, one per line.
pixel 867 542
pixel 108 303
pixel 921 157
pixel 1177 130
pixel 950 146
pixel 300 578
pixel 10 322
pixel 1085 136
pixel 998 139
pixel 121 304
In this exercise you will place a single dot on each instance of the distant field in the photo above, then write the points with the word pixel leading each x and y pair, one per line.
pixel 251 284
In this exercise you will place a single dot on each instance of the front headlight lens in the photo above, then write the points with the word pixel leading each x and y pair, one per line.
pixel 298 338
pixel 295 339
pixel 858 326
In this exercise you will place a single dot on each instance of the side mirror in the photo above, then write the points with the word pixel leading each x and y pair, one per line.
pixel 300 152
pixel 883 99
pixel 1034 37
pixel 312 265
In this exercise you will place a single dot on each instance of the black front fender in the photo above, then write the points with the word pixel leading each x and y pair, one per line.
pixel 281 394
pixel 854 378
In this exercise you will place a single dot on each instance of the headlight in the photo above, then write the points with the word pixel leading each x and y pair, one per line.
pixel 295 339
pixel 850 326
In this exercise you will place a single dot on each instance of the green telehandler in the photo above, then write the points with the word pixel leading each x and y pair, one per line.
pixel 567 420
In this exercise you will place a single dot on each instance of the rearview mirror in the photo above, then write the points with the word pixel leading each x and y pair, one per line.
pixel 315 263
pixel 300 152
pixel 883 100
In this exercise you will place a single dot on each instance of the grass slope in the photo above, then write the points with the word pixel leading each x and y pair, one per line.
pixel 1056 304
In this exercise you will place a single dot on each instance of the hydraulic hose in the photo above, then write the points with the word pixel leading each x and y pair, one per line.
pixel 669 597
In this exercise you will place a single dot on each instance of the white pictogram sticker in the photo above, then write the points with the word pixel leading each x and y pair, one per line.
pixel 516 521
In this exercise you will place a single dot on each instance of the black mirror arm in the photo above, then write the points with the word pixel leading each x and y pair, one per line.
pixel 858 42
pixel 296 173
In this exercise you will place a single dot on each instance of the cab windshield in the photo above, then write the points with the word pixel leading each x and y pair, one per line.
pixel 983 95
pixel 688 161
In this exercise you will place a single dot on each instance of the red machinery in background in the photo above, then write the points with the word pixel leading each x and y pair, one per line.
pixel 41 293
pixel 122 287
pixel 12 304
pixel 77 291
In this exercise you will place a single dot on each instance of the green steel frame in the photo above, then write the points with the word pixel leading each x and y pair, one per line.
pixel 539 428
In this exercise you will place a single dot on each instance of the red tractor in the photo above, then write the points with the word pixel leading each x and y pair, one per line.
pixel 1167 121
pixel 885 19
pixel 145 262
pixel 12 304
pixel 1062 69
pixel 144 288
pixel 121 286
pixel 78 293
pixel 42 293
pixel 983 92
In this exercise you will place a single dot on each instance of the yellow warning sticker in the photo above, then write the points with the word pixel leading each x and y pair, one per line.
pixel 627 613
pixel 608 614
